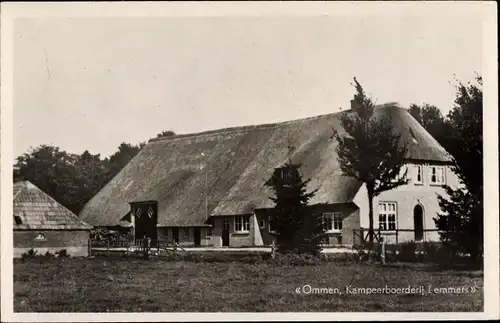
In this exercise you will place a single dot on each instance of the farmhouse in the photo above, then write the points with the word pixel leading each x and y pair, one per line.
pixel 42 224
pixel 208 188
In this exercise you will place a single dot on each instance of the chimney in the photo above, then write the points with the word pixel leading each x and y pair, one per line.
pixel 354 104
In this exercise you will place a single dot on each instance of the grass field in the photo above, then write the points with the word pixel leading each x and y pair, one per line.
pixel 134 285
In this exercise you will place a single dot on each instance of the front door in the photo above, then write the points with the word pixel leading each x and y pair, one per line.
pixel 418 222
pixel 145 221
pixel 175 233
pixel 225 232
pixel 197 236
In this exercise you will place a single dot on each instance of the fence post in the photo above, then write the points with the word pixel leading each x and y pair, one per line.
pixel 397 234
pixel 382 251
pixel 146 243
pixel 107 247
pixel 273 249
pixel 90 247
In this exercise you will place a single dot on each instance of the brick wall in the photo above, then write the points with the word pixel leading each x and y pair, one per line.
pixel 236 239
pixel 75 242
pixel 166 233
pixel 350 221
pixel 258 233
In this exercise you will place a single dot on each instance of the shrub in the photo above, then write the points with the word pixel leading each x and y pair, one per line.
pixel 431 250
pixel 407 251
pixel 32 253
pixel 63 253
pixel 49 255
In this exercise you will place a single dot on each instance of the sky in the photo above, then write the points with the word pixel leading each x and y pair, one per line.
pixel 93 83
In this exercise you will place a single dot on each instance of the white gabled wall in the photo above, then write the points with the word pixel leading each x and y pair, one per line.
pixel 406 198
pixel 361 200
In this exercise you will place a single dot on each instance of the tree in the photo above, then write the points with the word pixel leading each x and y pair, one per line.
pixel 431 118
pixel 370 151
pixel 122 157
pixel 91 176
pixel 461 223
pixel 51 170
pixel 166 133
pixel 298 230
pixel 466 139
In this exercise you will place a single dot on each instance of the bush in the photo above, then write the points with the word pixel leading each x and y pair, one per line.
pixel 407 252
pixel 32 253
pixel 63 253
pixel 49 255
pixel 431 250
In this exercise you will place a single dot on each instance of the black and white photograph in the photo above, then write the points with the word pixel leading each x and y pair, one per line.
pixel 249 161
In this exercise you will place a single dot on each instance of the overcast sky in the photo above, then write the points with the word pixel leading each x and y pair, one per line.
pixel 92 83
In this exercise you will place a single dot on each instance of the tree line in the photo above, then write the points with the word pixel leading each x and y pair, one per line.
pixel 73 179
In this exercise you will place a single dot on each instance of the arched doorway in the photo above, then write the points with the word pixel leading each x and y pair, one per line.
pixel 418 222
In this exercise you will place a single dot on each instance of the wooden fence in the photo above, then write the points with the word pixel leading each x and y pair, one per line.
pixel 145 247
pixel 362 236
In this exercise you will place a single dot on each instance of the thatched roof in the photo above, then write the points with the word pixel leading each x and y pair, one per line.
pixel 35 210
pixel 237 163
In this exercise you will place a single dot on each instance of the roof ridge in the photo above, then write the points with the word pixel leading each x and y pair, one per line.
pixel 238 129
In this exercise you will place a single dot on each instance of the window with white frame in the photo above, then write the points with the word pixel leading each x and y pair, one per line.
pixel 209 232
pixel 332 221
pixel 262 224
pixel 242 223
pixel 419 177
pixel 437 175
pixel 271 224
pixel 387 215
pixel 186 233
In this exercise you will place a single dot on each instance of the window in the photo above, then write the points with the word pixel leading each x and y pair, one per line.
pixel 332 221
pixel 226 225
pixel 437 175
pixel 40 237
pixel 418 174
pixel 242 223
pixel 18 219
pixel 271 224
pixel 209 232
pixel 186 233
pixel 387 215
pixel 262 224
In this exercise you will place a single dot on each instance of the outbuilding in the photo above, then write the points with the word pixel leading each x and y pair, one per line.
pixel 43 224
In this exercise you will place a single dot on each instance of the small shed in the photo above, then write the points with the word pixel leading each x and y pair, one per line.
pixel 43 224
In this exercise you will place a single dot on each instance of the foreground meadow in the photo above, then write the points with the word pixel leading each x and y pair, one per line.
pixel 134 285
